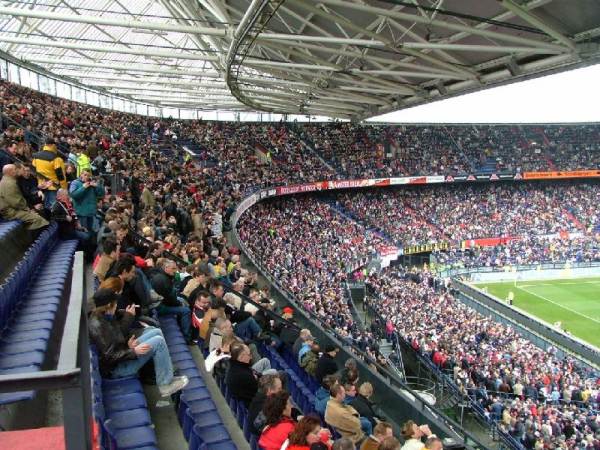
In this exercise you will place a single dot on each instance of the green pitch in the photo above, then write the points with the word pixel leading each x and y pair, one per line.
pixel 575 302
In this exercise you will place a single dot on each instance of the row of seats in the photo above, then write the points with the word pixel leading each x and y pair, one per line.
pixel 298 380
pixel 30 299
pixel 197 413
pixel 121 412
pixel 7 227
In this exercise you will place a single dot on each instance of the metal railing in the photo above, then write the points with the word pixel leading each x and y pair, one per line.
pixel 72 372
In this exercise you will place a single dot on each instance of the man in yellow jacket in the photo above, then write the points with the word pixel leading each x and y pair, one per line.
pixel 51 172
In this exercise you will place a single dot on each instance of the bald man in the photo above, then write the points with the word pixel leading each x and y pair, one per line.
pixel 12 203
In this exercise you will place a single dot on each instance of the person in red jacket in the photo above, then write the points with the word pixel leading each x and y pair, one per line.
pixel 278 412
pixel 308 435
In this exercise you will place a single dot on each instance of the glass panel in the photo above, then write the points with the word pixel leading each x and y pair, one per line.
pixel 118 104
pixel 63 90
pixel 153 111
pixel 207 115
pixel 13 73
pixel 170 112
pixel 105 102
pixel 188 114
pixel 51 86
pixel 132 107
pixel 142 109
pixel 93 98
pixel 224 115
pixel 24 77
pixel 43 81
pixel 3 70
pixel 78 94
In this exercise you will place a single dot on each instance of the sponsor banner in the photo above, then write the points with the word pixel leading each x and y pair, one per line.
pixel 298 188
pixel 506 176
pixel 387 250
pixel 346 184
pixel 423 248
pixel 556 175
pixel 449 179
pixel 488 242
pixel 471 178
pixel 494 177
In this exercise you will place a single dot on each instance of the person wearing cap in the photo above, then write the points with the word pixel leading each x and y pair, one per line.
pixel 326 364
pixel 120 356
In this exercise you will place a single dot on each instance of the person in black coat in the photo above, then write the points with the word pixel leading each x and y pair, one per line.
pixel 269 385
pixel 163 282
pixel 362 404
pixel 241 379
pixel 326 364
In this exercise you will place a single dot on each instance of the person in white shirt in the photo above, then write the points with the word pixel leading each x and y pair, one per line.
pixel 413 435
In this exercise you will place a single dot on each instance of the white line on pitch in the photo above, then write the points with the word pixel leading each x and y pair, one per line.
pixel 559 305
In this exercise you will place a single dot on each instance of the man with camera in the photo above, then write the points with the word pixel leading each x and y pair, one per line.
pixel 85 192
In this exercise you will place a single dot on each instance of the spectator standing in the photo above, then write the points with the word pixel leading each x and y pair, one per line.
pixel 51 172
pixel 85 193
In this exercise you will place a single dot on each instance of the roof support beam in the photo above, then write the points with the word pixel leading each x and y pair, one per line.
pixel 443 24
pixel 538 23
pixel 123 67
pixel 104 49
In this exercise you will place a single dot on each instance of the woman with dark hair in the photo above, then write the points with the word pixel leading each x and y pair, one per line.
pixel 308 435
pixel 278 412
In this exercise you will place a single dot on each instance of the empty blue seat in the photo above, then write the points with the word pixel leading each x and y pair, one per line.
pixel 124 402
pixel 209 435
pixel 131 438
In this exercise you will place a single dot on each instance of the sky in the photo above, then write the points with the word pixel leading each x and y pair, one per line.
pixel 572 96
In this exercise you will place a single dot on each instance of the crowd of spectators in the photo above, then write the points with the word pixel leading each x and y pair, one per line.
pixel 308 247
pixel 433 214
pixel 160 248
pixel 362 151
pixel 530 250
pixel 537 397
pixel 159 245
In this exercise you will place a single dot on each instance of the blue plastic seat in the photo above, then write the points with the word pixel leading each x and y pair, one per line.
pixel 124 402
pixel 131 418
pixel 211 435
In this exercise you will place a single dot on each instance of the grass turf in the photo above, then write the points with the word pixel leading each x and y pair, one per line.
pixel 574 302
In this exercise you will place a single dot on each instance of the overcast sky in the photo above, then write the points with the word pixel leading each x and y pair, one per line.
pixel 572 96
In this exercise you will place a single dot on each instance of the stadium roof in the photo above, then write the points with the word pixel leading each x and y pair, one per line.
pixel 337 58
